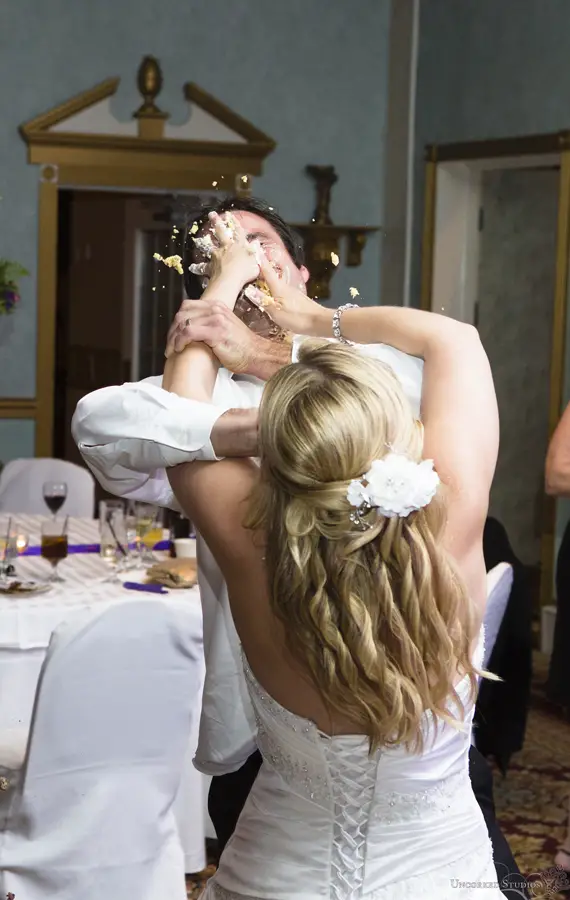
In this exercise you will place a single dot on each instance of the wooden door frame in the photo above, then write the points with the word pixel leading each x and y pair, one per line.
pixel 545 145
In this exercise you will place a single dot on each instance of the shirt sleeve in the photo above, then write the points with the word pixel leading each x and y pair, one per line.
pixel 129 434
pixel 408 369
pixel 297 341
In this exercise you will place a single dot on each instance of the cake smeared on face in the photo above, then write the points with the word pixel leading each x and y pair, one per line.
pixel 248 309
pixel 259 321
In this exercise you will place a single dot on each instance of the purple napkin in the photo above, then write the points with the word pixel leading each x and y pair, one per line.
pixel 87 548
pixel 150 588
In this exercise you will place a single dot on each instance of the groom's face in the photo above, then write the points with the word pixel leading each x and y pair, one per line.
pixel 258 229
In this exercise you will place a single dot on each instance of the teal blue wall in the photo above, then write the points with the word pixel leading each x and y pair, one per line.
pixel 16 439
pixel 492 69
pixel 489 69
pixel 310 73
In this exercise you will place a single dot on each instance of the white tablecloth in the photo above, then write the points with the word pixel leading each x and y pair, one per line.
pixel 26 625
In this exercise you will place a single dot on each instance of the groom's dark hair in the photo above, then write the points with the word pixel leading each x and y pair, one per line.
pixel 292 241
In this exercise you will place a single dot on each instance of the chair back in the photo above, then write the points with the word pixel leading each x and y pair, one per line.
pixel 93 817
pixel 21 487
pixel 499 586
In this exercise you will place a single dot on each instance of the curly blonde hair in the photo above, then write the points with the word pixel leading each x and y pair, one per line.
pixel 380 618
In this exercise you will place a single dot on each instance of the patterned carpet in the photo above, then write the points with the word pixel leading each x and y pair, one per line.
pixel 532 801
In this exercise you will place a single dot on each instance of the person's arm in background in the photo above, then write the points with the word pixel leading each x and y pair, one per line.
pixel 557 474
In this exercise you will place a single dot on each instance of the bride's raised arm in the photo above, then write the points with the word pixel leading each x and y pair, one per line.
pixel 459 414
pixel 458 409
pixel 213 493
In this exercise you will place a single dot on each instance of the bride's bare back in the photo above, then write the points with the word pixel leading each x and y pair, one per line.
pixel 344 623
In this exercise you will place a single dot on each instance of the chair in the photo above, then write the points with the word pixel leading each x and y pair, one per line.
pixel 90 815
pixel 499 586
pixel 22 480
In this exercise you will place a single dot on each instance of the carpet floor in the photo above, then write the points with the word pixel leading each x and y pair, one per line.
pixel 532 801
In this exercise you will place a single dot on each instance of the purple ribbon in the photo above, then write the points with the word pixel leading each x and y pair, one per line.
pixel 89 548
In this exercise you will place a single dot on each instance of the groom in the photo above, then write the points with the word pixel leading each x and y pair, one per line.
pixel 129 436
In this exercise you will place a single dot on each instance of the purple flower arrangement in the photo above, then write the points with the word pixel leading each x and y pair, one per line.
pixel 10 272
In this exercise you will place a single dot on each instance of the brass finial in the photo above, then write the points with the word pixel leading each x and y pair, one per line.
pixel 149 83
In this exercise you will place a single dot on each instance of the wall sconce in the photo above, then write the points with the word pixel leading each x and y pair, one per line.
pixel 322 239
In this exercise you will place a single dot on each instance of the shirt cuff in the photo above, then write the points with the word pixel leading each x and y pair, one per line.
pixel 297 341
pixel 184 428
pixel 146 426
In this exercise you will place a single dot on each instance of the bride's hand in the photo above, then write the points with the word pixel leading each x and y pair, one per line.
pixel 233 261
pixel 290 307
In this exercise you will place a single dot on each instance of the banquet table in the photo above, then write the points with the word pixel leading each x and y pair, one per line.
pixel 27 623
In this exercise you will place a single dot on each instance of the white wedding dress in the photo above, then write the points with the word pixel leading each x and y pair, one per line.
pixel 325 819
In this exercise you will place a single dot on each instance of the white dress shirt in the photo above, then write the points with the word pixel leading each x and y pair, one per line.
pixel 128 435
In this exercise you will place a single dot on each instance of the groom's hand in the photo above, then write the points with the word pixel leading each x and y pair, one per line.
pixel 237 347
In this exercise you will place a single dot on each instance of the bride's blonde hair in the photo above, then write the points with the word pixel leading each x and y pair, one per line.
pixel 380 617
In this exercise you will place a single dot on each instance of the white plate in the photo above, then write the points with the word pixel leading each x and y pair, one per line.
pixel 17 588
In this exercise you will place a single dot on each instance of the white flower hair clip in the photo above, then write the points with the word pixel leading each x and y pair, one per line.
pixel 395 486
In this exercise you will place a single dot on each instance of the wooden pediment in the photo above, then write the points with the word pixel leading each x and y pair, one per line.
pixel 84 131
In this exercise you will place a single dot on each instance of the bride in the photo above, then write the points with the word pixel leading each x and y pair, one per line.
pixel 353 558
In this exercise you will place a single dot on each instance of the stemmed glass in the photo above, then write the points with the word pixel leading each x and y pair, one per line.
pixel 54 494
pixel 54 545
pixel 113 536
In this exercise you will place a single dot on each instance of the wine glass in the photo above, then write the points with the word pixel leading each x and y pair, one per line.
pixel 54 545
pixel 54 493
pixel 113 536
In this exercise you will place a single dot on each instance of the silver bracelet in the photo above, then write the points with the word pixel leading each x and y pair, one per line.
pixel 336 322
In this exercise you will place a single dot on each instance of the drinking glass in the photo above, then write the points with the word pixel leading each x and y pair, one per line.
pixel 54 493
pixel 133 558
pixel 113 536
pixel 22 541
pixel 54 545
pixel 148 528
pixel 8 551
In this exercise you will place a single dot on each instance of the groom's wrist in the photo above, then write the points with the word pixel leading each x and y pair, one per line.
pixel 235 433
pixel 270 356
